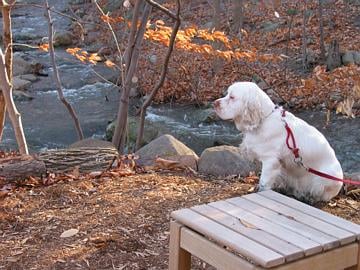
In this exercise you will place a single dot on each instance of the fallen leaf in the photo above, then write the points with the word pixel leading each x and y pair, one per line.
pixel 332 204
pixel 247 224
pixel 95 174
pixel 69 233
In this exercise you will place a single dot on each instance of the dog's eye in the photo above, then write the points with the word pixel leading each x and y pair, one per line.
pixel 232 97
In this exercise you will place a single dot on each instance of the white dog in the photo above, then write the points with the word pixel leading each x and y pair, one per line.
pixel 263 126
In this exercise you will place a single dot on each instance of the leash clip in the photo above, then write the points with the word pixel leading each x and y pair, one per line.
pixel 298 161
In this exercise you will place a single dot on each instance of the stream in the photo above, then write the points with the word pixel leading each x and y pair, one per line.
pixel 48 125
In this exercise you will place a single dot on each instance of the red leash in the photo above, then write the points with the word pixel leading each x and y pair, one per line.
pixel 291 144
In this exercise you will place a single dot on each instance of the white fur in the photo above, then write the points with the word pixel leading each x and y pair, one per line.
pixel 255 116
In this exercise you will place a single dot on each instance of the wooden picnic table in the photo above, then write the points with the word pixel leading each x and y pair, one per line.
pixel 263 230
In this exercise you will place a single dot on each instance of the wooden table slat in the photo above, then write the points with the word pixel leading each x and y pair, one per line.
pixel 290 251
pixel 286 221
pixel 308 246
pixel 249 248
pixel 345 237
pixel 312 211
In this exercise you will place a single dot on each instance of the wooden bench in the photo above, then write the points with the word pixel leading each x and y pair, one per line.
pixel 263 230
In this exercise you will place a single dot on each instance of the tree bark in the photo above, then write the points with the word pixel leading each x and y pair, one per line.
pixel 334 58
pixel 238 15
pixel 119 137
pixel 7 40
pixel 304 39
pixel 153 93
pixel 57 76
pixel 19 168
pixel 321 20
pixel 216 15
pixel 14 115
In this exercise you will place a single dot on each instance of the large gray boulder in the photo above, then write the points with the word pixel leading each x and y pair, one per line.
pixel 167 147
pixel 224 161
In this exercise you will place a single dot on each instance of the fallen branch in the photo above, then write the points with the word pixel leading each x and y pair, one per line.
pixel 86 159
pixel 21 167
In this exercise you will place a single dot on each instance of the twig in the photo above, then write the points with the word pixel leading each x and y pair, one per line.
pixel 57 76
pixel 116 43
pixel 163 9
pixel 162 78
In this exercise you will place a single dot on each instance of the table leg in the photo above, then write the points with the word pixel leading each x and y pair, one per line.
pixel 179 259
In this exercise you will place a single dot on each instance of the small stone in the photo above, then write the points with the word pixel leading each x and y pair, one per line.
pixel 153 59
pixel 21 66
pixel 29 77
pixel 348 58
pixel 21 96
pixel 65 38
pixel 20 84
pixel 357 58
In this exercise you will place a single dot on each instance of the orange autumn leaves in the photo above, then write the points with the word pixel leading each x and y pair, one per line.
pixel 185 40
pixel 81 55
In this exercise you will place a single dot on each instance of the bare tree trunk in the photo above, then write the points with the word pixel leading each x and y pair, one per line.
pixel 216 15
pixel 14 115
pixel 321 20
pixel 287 45
pixel 7 40
pixel 304 45
pixel 333 58
pixel 149 99
pixel 57 76
pixel 121 125
pixel 238 15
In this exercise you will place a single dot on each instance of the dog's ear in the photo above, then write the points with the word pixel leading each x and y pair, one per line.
pixel 251 114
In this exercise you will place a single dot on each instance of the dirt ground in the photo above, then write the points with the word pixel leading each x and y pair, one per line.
pixel 123 222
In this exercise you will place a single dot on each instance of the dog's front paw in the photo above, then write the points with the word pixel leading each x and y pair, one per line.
pixel 261 187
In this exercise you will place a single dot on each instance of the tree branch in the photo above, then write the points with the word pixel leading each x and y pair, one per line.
pixel 162 77
pixel 57 76
pixel 116 43
pixel 163 9
pixel 14 115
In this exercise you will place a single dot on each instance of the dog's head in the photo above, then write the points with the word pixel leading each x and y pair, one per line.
pixel 246 104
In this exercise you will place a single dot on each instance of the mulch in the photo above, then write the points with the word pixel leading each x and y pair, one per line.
pixel 122 222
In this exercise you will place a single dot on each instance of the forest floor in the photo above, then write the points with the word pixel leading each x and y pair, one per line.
pixel 123 222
